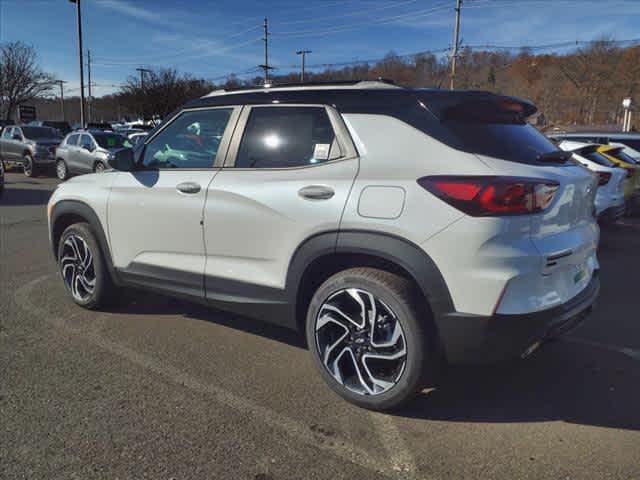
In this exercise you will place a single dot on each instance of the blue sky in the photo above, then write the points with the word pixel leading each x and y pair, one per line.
pixel 211 38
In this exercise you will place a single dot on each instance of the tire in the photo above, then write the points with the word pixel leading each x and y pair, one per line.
pixel 397 304
pixel 62 172
pixel 99 167
pixel 72 262
pixel 28 167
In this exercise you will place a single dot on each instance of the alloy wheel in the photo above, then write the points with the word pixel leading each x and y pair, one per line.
pixel 76 265
pixel 99 168
pixel 28 166
pixel 360 341
pixel 61 170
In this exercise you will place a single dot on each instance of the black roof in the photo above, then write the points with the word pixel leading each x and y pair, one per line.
pixel 368 99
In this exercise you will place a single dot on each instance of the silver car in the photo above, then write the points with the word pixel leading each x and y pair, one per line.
pixel 87 152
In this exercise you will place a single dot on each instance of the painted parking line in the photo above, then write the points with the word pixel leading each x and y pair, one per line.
pixel 400 465
pixel 629 352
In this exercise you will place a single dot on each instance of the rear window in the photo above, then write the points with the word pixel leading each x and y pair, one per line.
pixel 622 156
pixel 633 143
pixel 598 158
pixel 497 128
pixel 514 142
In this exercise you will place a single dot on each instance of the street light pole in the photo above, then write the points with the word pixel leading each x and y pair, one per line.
pixel 77 2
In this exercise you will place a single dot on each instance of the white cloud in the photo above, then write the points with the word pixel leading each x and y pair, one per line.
pixel 126 7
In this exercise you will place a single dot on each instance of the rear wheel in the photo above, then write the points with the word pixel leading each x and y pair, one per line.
pixel 29 168
pixel 368 337
pixel 82 267
pixel 61 170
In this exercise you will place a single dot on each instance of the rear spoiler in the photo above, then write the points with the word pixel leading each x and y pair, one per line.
pixel 483 107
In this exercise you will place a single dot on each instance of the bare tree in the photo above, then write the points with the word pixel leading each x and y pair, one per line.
pixel 21 79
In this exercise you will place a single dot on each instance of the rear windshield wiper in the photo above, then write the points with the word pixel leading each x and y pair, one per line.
pixel 558 156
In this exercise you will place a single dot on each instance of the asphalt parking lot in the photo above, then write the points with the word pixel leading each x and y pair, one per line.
pixel 158 388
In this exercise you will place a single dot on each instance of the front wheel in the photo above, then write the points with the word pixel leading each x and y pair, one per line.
pixel 99 168
pixel 367 333
pixel 82 267
pixel 62 172
pixel 29 168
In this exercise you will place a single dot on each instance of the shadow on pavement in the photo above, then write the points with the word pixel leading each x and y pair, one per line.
pixel 20 197
pixel 564 381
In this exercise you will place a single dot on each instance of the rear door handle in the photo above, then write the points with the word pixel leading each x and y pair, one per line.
pixel 316 192
pixel 188 187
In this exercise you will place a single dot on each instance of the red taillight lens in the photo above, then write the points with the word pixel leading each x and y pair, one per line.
pixel 492 196
pixel 603 178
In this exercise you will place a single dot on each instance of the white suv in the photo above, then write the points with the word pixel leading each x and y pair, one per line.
pixel 396 227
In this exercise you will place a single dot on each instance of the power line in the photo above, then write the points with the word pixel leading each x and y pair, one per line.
pixel 302 53
pixel 266 66
pixel 357 26
pixel 456 41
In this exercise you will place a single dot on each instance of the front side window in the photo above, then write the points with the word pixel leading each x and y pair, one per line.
pixel 86 142
pixel 191 141
pixel 8 133
pixel 281 137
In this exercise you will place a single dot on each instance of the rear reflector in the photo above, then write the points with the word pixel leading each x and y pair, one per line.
pixel 603 178
pixel 492 196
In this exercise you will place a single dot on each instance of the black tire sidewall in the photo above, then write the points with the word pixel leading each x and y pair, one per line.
pixel 414 329
pixel 28 159
pixel 99 167
pixel 102 287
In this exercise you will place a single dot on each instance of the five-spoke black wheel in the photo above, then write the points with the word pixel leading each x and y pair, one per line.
pixel 82 266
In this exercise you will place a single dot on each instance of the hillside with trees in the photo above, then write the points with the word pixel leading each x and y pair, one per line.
pixel 583 87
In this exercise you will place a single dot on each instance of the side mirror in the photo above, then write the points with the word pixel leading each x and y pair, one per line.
pixel 17 136
pixel 89 148
pixel 122 160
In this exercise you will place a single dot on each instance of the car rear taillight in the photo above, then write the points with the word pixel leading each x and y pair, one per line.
pixel 603 178
pixel 492 196
pixel 629 172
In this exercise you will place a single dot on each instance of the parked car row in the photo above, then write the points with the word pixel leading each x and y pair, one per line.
pixel 613 158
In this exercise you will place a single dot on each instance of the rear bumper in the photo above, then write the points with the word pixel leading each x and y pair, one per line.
pixel 480 339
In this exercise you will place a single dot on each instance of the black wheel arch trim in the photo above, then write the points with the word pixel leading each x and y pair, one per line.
pixel 388 247
pixel 83 210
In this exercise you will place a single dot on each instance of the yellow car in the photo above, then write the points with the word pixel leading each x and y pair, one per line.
pixel 621 159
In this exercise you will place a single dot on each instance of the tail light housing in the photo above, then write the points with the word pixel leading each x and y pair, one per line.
pixel 488 196
pixel 603 178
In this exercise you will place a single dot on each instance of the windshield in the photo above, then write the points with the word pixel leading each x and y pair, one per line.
pixel 110 140
pixel 35 133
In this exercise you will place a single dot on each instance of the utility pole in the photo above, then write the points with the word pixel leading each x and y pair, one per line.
pixel 303 53
pixel 90 99
pixel 61 84
pixel 79 20
pixel 142 72
pixel 265 39
pixel 456 41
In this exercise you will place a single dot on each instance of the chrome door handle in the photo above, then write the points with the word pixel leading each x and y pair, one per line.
pixel 188 187
pixel 316 192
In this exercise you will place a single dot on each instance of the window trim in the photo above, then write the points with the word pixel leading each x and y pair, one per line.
pixel 218 161
pixel 345 142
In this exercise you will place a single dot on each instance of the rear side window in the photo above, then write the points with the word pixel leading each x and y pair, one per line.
pixel 623 156
pixel 285 137
pixel 72 140
pixel 633 143
pixel 7 133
